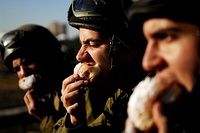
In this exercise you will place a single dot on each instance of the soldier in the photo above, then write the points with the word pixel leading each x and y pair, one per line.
pixel 104 38
pixel 32 50
pixel 172 52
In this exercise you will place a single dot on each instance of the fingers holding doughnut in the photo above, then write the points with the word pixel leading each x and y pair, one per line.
pixel 145 94
pixel 87 71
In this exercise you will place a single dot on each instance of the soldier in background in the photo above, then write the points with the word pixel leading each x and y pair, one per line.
pixel 29 51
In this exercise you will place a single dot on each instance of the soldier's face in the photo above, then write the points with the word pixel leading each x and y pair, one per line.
pixel 172 50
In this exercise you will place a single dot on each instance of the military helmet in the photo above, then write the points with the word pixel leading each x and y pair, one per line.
pixel 97 14
pixel 101 15
pixel 177 10
pixel 31 39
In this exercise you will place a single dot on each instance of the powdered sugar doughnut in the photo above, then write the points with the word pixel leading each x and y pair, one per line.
pixel 27 83
pixel 144 95
pixel 87 72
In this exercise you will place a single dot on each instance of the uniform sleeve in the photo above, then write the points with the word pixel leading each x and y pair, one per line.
pixel 48 122
pixel 46 125
pixel 101 123
pixel 60 126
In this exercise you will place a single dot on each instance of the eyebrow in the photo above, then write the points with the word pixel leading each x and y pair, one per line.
pixel 172 29
pixel 92 40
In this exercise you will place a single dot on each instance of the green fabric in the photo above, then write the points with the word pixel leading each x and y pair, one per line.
pixel 93 123
pixel 47 123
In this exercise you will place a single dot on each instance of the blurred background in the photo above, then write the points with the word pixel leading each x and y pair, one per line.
pixel 51 14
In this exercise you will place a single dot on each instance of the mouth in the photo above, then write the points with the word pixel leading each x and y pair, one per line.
pixel 90 64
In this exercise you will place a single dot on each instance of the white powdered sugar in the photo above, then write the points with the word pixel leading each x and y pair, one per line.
pixel 87 71
pixel 27 82
pixel 144 95
pixel 137 103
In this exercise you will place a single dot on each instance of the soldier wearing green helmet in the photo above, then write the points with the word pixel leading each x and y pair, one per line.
pixel 38 38
pixel 32 49
pixel 105 41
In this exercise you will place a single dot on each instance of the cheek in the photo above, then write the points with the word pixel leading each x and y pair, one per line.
pixel 189 55
pixel 189 61
pixel 35 67
pixel 179 56
pixel 102 58
pixel 184 63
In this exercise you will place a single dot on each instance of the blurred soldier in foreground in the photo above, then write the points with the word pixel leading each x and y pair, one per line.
pixel 172 53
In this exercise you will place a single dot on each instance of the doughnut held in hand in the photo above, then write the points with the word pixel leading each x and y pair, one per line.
pixel 144 95
pixel 86 71
pixel 28 82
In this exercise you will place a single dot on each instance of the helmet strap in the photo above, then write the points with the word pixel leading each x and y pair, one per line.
pixel 114 54
pixel 114 51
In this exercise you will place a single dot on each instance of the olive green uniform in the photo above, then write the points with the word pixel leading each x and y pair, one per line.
pixel 47 123
pixel 98 118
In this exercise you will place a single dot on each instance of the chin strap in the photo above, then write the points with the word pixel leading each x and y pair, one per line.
pixel 114 53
